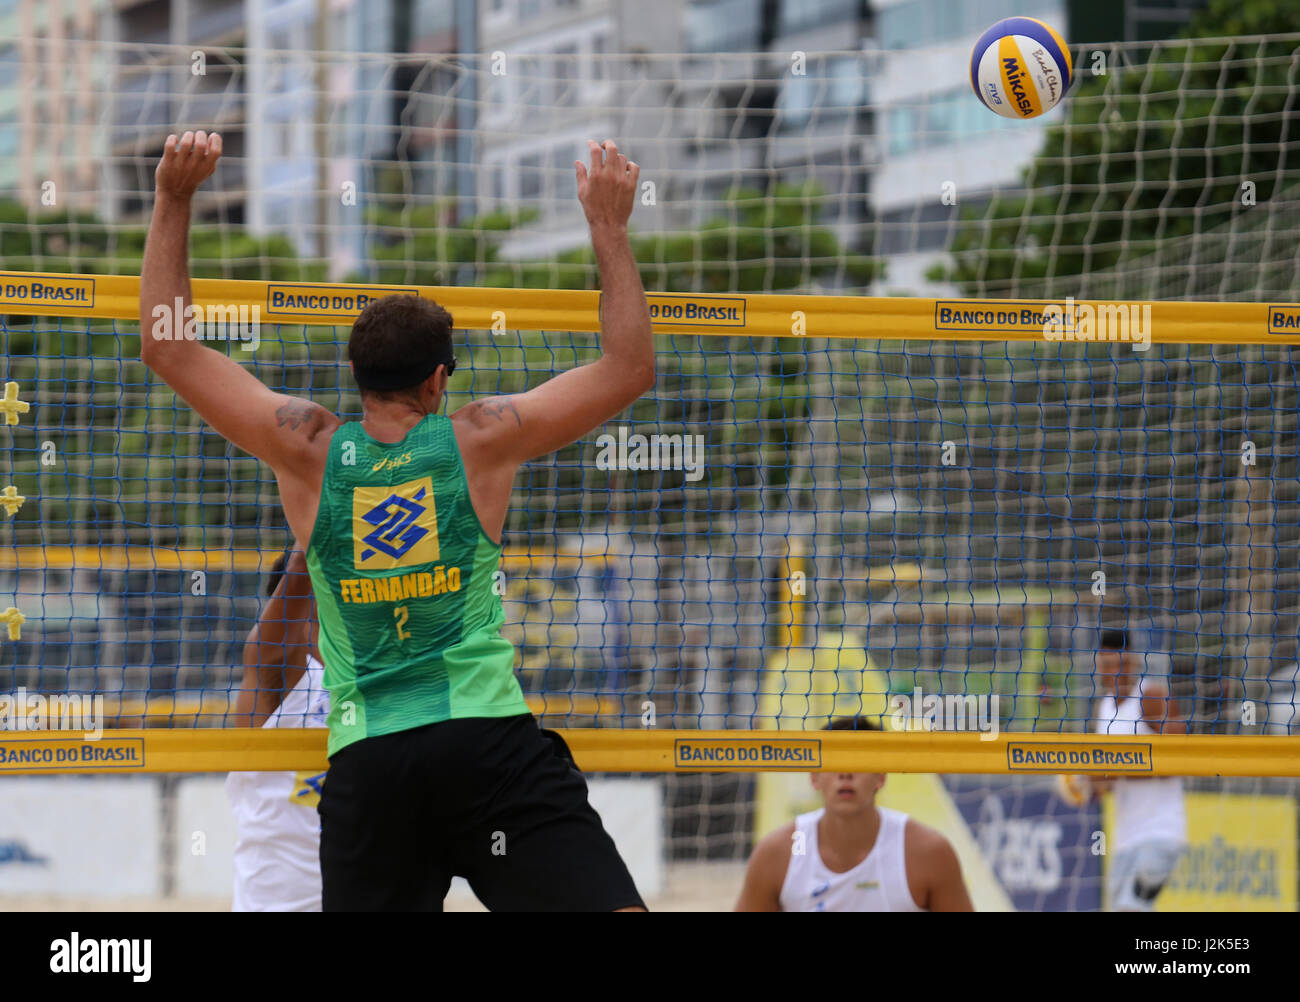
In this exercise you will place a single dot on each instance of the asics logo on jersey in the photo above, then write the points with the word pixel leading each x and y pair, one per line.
pixel 821 889
pixel 396 531
pixel 391 464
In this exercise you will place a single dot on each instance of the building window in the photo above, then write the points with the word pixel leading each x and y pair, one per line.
pixel 724 25
pixel 834 86
pixel 529 85
pixel 494 97
pixel 433 17
pixel 902 130
pixel 920 23
pixel 8 138
pixel 563 183
pixel 940 120
pixel 530 177
pixel 10 66
pixel 566 74
pixel 846 86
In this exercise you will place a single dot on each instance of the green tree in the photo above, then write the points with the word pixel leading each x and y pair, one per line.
pixel 80 243
pixel 127 453
pixel 759 243
pixel 426 245
pixel 754 398
pixel 1148 153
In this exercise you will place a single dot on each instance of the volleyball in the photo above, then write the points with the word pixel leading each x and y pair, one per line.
pixel 1020 68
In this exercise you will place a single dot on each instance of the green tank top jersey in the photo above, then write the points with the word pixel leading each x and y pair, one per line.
pixel 410 625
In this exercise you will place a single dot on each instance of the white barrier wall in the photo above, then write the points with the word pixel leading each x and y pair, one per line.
pixel 77 836
pixel 205 838
pixel 633 812
pixel 109 837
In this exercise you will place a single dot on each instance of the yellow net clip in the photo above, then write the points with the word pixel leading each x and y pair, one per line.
pixel 11 405
pixel 15 620
pixel 11 500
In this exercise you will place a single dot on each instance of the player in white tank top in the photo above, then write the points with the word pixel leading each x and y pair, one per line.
pixel 877 884
pixel 277 842
pixel 850 855
pixel 1150 828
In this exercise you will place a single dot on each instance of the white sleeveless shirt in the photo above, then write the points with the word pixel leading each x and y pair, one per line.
pixel 1145 809
pixel 877 884
pixel 277 829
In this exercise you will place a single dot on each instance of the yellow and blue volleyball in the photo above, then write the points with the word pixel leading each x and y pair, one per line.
pixel 1020 68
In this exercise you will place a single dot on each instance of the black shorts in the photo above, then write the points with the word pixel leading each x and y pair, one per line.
pixel 496 801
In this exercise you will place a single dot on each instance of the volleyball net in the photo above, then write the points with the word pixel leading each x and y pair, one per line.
pixel 932 527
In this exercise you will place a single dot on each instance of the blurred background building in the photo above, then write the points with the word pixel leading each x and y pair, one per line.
pixel 847 93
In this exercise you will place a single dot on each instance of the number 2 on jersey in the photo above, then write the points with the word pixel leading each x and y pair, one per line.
pixel 402 614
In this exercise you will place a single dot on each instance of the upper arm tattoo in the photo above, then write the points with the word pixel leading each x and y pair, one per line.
pixel 498 409
pixel 294 414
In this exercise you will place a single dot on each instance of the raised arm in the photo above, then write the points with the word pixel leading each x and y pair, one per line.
pixel 278 429
pixel 275 653
pixel 562 410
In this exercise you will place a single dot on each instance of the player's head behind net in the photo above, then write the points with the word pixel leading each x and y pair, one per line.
pixel 397 343
pixel 858 723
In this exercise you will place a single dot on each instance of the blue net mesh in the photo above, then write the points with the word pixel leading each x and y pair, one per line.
pixel 782 531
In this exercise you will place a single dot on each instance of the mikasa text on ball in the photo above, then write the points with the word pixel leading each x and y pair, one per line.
pixel 1020 68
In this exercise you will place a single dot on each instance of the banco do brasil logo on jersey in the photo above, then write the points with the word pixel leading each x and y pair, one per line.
pixel 395 530
pixel 394 526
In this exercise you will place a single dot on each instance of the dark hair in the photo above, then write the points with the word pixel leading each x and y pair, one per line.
pixel 852 724
pixel 277 571
pixel 1114 640
pixel 398 342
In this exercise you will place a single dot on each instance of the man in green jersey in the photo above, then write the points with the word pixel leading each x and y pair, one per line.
pixel 437 768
